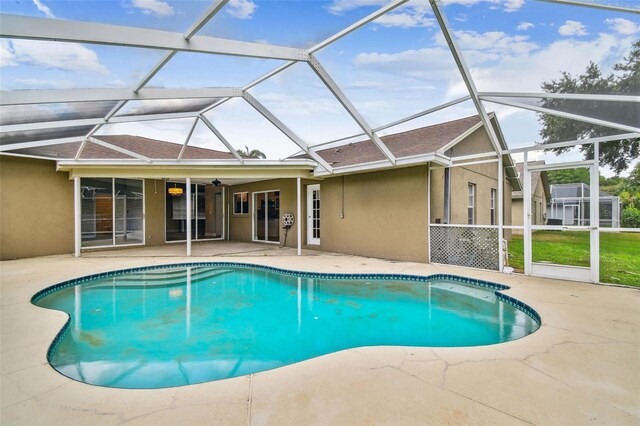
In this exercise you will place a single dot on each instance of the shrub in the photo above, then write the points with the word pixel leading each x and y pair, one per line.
pixel 631 217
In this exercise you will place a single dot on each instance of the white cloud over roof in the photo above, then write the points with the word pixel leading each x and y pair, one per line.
pixel 154 7
pixel 573 28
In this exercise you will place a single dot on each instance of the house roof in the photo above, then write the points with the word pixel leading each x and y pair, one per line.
pixel 536 177
pixel 424 140
pixel 151 148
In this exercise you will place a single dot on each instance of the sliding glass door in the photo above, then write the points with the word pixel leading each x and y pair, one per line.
pixel 266 216
pixel 112 212
pixel 207 212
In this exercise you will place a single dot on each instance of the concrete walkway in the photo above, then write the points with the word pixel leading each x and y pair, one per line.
pixel 581 367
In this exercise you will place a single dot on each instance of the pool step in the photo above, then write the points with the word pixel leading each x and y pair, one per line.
pixel 159 278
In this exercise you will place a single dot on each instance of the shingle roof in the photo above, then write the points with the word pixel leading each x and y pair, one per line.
pixel 151 148
pixel 424 140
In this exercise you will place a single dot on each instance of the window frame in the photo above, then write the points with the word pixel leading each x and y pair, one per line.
pixel 471 203
pixel 493 206
pixel 233 200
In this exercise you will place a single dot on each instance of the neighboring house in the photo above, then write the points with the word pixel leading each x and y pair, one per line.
pixel 540 195
pixel 131 191
pixel 569 205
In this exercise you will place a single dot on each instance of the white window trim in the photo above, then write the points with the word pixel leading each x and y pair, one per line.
pixel 253 218
pixel 233 201
pixel 224 215
pixel 473 206
pixel 113 217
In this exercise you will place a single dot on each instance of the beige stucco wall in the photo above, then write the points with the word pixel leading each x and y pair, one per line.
pixel 154 194
pixel 385 213
pixel 240 225
pixel 476 143
pixel 36 209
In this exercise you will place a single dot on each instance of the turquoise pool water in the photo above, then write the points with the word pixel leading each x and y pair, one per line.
pixel 190 324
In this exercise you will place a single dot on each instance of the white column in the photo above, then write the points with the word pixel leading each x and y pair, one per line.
pixel 429 215
pixel 299 214
pixel 500 214
pixel 77 216
pixel 594 215
pixel 526 217
pixel 188 192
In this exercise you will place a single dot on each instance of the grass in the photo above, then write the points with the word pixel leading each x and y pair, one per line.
pixel 619 253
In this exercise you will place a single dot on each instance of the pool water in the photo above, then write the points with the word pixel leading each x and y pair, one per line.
pixel 184 325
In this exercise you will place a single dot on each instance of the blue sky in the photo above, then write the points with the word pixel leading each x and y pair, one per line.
pixel 391 68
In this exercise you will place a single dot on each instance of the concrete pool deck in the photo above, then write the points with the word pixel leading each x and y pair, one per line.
pixel 581 367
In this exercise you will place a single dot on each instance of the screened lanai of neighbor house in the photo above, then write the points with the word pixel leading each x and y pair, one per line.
pixel 382 128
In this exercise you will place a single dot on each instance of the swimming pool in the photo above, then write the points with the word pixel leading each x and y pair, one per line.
pixel 174 325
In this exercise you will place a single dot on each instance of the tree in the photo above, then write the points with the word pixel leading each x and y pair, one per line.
pixel 615 154
pixel 254 153
pixel 568 176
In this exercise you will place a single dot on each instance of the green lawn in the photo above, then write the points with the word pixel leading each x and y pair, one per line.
pixel 619 253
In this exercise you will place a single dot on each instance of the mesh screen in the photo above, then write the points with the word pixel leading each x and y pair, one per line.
pixel 20 114
pixel 8 138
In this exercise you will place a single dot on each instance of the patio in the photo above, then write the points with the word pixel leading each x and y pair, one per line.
pixel 580 367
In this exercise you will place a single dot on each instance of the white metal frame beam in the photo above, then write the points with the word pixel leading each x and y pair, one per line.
pixel 467 78
pixel 94 121
pixel 37 144
pixel 568 96
pixel 187 139
pixel 351 109
pixel 593 5
pixel 285 129
pixel 575 142
pixel 219 135
pixel 563 114
pixel 26 27
pixel 26 97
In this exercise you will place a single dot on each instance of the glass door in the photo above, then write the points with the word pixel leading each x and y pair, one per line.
pixel 266 216
pixel 207 212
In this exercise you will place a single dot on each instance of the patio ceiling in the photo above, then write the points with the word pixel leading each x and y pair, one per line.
pixel 33 116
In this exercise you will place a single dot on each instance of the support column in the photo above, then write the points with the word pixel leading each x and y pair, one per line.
pixel 77 217
pixel 526 208
pixel 299 214
pixel 500 214
pixel 188 192
pixel 594 215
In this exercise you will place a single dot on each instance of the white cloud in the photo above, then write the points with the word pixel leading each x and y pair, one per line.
pixel 428 64
pixel 524 26
pixel 623 26
pixel 524 72
pixel 154 7
pixel 64 56
pixel 491 41
pixel 43 8
pixel 241 9
pixel 513 5
pixel 508 5
pixel 411 16
pixel 338 7
pixel 571 28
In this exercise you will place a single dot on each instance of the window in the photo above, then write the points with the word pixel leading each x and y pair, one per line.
pixel 241 203
pixel 493 206
pixel 112 212
pixel 472 204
